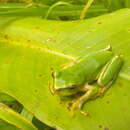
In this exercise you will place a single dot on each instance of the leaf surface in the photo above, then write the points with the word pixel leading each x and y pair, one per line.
pixel 31 47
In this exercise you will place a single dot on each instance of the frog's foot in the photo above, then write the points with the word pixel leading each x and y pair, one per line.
pixel 102 91
pixel 77 104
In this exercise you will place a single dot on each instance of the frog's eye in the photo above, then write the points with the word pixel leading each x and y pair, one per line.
pixel 72 86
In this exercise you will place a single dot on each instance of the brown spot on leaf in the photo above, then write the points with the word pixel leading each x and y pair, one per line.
pixel 108 102
pixel 40 75
pixel 106 128
pixel 28 40
pixel 35 90
pixel 120 84
pixel 6 36
pixel 37 27
pixel 125 94
pixel 99 22
pixel 100 126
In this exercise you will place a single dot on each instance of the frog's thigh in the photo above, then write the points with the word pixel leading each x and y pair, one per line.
pixel 110 71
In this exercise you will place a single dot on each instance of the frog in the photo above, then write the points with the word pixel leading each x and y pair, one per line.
pixel 92 75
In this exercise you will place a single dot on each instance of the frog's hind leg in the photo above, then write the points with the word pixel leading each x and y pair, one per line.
pixel 109 73
pixel 77 104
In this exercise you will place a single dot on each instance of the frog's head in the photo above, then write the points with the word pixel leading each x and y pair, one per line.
pixel 64 85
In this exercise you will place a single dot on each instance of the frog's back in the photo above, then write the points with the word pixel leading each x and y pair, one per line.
pixel 85 69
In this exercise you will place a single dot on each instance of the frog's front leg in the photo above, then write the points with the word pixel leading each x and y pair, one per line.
pixel 106 77
pixel 91 93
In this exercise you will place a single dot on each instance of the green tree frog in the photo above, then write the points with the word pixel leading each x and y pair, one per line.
pixel 92 75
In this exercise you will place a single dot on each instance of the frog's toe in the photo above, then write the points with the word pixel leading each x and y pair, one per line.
pixel 74 106
pixel 85 113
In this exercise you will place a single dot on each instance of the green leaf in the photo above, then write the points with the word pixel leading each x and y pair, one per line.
pixel 14 118
pixel 6 126
pixel 31 47
pixel 53 6
pixel 40 125
pixel 51 12
pixel 85 10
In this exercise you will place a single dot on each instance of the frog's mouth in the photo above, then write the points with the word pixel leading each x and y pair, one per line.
pixel 67 91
